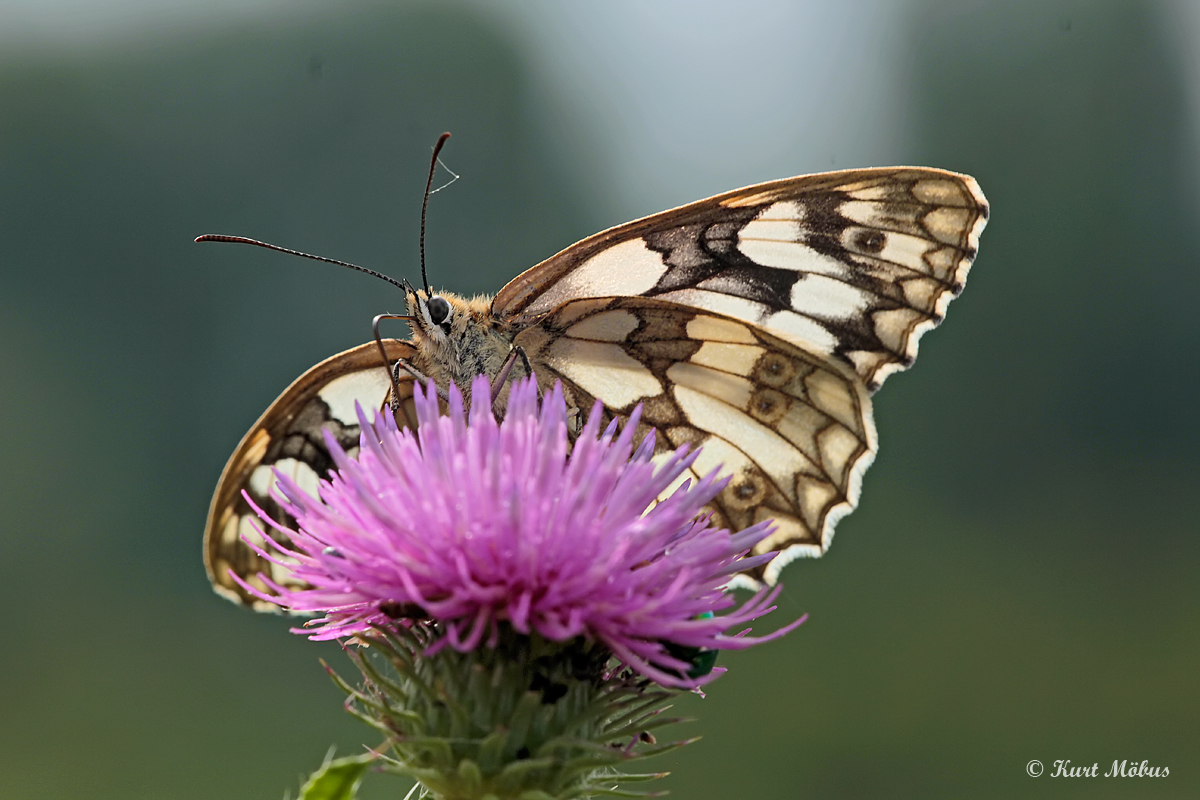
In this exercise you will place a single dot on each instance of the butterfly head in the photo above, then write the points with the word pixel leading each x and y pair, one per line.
pixel 433 316
pixel 456 336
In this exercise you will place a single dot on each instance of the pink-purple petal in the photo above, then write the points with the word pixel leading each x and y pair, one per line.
pixel 482 523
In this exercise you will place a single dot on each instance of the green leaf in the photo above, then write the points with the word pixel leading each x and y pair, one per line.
pixel 337 779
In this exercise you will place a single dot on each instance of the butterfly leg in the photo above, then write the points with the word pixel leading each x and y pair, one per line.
pixel 502 376
pixel 393 371
pixel 394 401
pixel 498 382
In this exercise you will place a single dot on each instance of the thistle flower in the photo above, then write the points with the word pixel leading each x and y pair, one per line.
pixel 501 571
pixel 475 523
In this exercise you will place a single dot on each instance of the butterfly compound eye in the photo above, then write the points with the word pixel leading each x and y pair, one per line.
pixel 439 309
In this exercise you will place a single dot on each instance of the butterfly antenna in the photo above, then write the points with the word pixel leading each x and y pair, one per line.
pixel 217 237
pixel 433 162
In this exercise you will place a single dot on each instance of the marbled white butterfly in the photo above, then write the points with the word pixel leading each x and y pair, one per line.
pixel 754 324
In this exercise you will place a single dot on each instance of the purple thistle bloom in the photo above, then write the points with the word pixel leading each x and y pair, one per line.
pixel 480 523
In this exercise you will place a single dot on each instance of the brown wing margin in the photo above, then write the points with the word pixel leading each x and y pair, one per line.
pixel 288 429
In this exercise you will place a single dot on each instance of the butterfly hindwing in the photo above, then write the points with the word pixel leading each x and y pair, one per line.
pixel 852 265
pixel 793 429
pixel 288 438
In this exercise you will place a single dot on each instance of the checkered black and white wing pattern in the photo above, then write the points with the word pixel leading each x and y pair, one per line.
pixel 289 438
pixel 792 429
pixel 853 265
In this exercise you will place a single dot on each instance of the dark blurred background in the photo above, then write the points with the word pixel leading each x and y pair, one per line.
pixel 1020 580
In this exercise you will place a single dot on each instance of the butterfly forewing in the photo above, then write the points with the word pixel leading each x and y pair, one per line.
pixel 289 438
pixel 792 429
pixel 852 265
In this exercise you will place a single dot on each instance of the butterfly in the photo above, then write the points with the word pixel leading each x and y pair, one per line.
pixel 754 325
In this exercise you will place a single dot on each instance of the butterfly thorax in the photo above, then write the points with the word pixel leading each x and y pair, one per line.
pixel 469 341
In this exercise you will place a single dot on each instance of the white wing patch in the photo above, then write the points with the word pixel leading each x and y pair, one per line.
pixel 608 326
pixel 736 358
pixel 341 393
pixel 778 222
pixel 263 478
pixel 602 369
pixel 720 302
pixel 789 254
pixel 823 297
pixel 718 413
pixel 627 268
pixel 719 329
pixel 802 330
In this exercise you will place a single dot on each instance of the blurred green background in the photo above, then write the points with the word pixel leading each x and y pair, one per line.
pixel 1020 580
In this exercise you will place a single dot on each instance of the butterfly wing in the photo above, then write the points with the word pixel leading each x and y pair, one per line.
pixel 853 265
pixel 288 437
pixel 792 428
